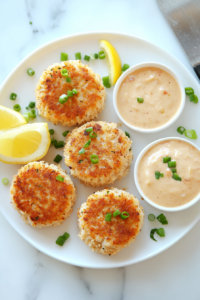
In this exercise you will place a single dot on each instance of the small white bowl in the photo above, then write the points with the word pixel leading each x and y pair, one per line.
pixel 139 66
pixel 142 153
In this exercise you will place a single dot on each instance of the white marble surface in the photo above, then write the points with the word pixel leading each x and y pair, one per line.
pixel 26 273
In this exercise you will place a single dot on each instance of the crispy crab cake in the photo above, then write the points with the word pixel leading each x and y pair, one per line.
pixel 80 108
pixel 39 197
pixel 109 237
pixel 112 147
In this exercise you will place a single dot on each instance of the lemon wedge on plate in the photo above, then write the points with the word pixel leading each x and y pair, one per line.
pixel 10 118
pixel 115 68
pixel 23 144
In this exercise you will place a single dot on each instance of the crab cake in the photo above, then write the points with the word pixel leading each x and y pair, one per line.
pixel 81 107
pixel 40 198
pixel 112 147
pixel 110 237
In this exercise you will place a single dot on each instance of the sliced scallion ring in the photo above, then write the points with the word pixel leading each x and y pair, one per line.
pixel 151 217
pixel 181 129
pixel 191 134
pixel 124 215
pixel 94 159
pixel 93 135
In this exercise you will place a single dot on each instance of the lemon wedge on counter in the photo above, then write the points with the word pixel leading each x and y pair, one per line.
pixel 115 68
pixel 23 144
pixel 10 118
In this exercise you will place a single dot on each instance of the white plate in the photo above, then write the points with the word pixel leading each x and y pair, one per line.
pixel 132 50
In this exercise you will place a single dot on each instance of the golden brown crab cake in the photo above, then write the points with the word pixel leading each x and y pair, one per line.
pixel 80 108
pixel 40 198
pixel 112 147
pixel 110 237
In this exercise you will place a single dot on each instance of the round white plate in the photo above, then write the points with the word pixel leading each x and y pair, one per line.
pixel 132 50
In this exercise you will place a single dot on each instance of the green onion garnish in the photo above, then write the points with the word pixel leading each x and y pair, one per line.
pixel 102 54
pixel 166 159
pixel 78 55
pixel 30 72
pixel 152 232
pixel 53 141
pixel 124 215
pixel 69 93
pixel 108 217
pixel 157 174
pixel 63 56
pixel 162 219
pixel 64 73
pixel 75 91
pixel 125 67
pixel 127 134
pixel 31 104
pixel 87 144
pixel 51 131
pixel 60 178
pixel 140 100
pixel 26 117
pixel 96 55
pixel 13 96
pixel 30 23
pixel 108 192
pixel 93 135
pixel 191 97
pixel 80 161
pixel 59 144
pixel 92 56
pixel 89 129
pixel 176 177
pixel 173 170
pixel 62 239
pixel 195 100
pixel 82 151
pixel 63 98
pixel 191 134
pixel 27 107
pixel 161 175
pixel 160 232
pixel 106 82
pixel 172 164
pixel 86 57
pixel 17 107
pixel 189 91
pixel 68 79
pixel 65 133
pixel 151 217
pixel 32 114
pixel 58 158
pixel 181 129
pixel 5 181
pixel 94 159
pixel 116 213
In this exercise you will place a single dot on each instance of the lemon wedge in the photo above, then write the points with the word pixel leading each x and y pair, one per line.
pixel 10 118
pixel 115 68
pixel 23 144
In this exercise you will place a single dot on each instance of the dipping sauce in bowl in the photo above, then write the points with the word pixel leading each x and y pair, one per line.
pixel 149 98
pixel 178 185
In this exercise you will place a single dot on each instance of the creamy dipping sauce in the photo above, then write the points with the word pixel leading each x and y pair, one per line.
pixel 166 191
pixel 161 94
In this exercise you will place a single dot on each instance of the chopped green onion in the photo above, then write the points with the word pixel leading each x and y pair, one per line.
pixel 157 174
pixel 31 104
pixel 108 217
pixel 5 181
pixel 63 98
pixel 172 164
pixel 161 175
pixel 53 141
pixel 32 114
pixel 87 144
pixel 30 72
pixel 92 56
pixel 160 232
pixel 191 97
pixel 68 79
pixel 82 151
pixel 162 219
pixel 116 213
pixel 51 131
pixel 78 55
pixel 26 117
pixel 58 158
pixel 125 67
pixel 60 178
pixel 86 57
pixel 75 91
pixel 127 134
pixel 93 135
pixel 65 133
pixel 94 159
pixel 69 93
pixel 195 100
pixel 64 73
pixel 63 56
pixel 140 100
pixel 27 107
pixel 166 159
pixel 106 82
pixel 59 144
pixel 17 107
pixel 108 192
pixel 96 55
pixel 152 234
pixel 151 217
pixel 89 129
pixel 102 55
pixel 173 170
pixel 176 177
pixel 191 134
pixel 62 239
pixel 181 129
pixel 80 161
pixel 13 96
pixel 189 91
pixel 124 215
pixel 30 23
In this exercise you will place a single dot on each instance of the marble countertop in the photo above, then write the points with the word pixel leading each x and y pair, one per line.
pixel 26 273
